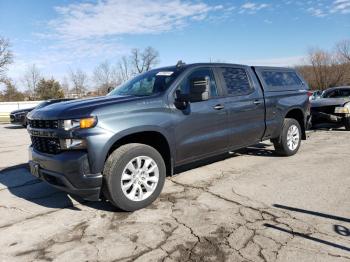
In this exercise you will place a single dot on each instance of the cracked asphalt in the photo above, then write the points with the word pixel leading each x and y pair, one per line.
pixel 247 206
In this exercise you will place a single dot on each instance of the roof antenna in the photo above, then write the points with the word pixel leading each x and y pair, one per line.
pixel 180 63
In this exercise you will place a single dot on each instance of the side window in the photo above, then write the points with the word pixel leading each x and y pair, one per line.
pixel 237 81
pixel 344 92
pixel 203 72
pixel 331 94
pixel 281 78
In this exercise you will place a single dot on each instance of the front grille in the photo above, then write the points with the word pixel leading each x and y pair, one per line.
pixel 46 144
pixel 49 124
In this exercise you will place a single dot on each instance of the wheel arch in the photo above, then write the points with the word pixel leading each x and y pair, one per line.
pixel 152 137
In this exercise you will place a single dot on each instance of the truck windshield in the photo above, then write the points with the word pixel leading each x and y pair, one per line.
pixel 149 83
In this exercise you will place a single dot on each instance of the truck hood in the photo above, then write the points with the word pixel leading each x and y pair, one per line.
pixel 78 108
pixel 329 102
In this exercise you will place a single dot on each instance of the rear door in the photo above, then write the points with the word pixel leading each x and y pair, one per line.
pixel 245 104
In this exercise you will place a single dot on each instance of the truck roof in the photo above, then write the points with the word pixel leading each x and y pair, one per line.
pixel 183 65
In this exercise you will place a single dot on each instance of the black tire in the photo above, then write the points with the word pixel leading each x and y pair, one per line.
pixel 114 168
pixel 347 123
pixel 280 143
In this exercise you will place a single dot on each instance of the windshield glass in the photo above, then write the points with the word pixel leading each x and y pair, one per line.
pixel 149 83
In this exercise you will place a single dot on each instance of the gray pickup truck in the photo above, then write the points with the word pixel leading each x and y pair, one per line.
pixel 122 146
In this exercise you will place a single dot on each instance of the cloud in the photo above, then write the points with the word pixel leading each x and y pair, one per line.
pixel 252 8
pixel 318 8
pixel 124 17
pixel 84 31
pixel 316 12
pixel 341 6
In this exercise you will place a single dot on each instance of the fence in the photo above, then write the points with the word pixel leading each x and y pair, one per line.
pixel 7 107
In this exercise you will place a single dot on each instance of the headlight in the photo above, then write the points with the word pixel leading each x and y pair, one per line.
pixel 83 123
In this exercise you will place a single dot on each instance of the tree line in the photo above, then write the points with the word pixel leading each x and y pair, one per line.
pixel 326 68
pixel 322 69
pixel 76 83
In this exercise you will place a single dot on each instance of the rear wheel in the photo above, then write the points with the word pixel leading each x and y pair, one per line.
pixel 135 176
pixel 288 143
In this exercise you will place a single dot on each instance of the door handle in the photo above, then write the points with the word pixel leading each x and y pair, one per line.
pixel 257 102
pixel 219 107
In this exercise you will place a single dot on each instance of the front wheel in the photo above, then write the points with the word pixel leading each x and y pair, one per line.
pixel 288 143
pixel 134 175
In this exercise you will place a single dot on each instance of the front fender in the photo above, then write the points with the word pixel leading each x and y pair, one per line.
pixel 99 156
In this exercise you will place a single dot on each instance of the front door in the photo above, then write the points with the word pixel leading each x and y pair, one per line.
pixel 201 129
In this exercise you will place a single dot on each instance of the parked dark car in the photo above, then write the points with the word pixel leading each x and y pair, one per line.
pixel 19 117
pixel 332 107
pixel 123 145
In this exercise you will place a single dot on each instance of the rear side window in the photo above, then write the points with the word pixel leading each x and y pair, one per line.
pixel 344 92
pixel 281 79
pixel 237 81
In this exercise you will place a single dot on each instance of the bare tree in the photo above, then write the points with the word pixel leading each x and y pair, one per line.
pixel 145 60
pixel 65 86
pixel 31 79
pixel 79 81
pixel 6 56
pixel 124 68
pixel 326 69
pixel 343 50
pixel 138 62
pixel 105 77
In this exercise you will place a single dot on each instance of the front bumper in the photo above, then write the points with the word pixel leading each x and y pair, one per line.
pixel 68 171
pixel 324 117
pixel 321 117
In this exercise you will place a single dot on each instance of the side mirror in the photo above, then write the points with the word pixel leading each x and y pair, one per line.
pixel 199 89
pixel 181 101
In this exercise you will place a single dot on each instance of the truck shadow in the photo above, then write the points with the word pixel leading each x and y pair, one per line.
pixel 19 182
pixel 261 149
pixel 204 162
pixel 14 127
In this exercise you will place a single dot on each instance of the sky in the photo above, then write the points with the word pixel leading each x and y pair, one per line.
pixel 59 35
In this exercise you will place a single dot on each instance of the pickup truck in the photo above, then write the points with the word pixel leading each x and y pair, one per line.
pixel 121 147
